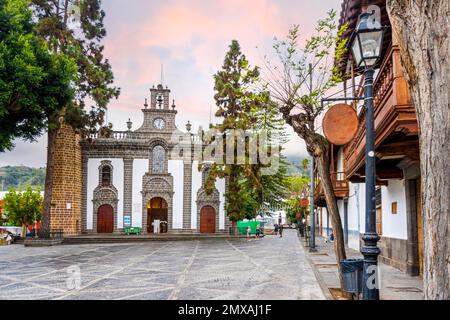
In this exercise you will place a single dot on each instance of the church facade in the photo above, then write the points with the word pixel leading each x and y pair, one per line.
pixel 141 178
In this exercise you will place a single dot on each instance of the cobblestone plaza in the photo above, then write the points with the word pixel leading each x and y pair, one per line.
pixel 271 268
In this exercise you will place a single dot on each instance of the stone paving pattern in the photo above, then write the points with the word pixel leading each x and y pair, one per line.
pixel 394 284
pixel 271 268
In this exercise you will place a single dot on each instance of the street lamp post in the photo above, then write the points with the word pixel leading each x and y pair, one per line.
pixel 366 44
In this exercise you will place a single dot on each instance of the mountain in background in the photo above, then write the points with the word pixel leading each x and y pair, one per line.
pixel 20 176
pixel 295 167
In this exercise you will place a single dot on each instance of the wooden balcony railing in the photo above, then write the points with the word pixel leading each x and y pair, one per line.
pixel 340 184
pixel 392 108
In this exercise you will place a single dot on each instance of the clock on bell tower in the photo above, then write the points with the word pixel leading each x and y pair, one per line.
pixel 159 116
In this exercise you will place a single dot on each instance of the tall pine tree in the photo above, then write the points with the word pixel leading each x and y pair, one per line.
pixel 34 82
pixel 243 106
pixel 75 28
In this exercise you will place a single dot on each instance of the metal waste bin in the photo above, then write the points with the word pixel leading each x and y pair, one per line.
pixel 352 273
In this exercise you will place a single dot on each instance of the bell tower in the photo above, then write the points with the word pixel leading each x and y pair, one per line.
pixel 159 97
pixel 159 117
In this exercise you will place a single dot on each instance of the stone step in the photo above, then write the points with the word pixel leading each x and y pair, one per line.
pixel 144 238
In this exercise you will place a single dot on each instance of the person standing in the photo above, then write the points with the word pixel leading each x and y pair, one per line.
pixel 249 232
pixel 258 231
pixel 276 229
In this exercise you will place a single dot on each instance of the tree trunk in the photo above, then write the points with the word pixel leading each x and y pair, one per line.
pixel 323 165
pixel 47 202
pixel 422 29
pixel 234 227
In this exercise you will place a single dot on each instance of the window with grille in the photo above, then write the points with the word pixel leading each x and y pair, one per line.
pixel 106 176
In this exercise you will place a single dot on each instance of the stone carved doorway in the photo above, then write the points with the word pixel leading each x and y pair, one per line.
pixel 157 209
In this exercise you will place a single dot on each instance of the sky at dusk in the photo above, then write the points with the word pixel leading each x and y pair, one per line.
pixel 190 39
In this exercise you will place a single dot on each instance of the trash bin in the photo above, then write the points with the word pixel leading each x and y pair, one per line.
pixel 352 273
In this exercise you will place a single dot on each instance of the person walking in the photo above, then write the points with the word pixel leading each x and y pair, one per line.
pixel 280 231
pixel 258 231
pixel 249 232
pixel 275 229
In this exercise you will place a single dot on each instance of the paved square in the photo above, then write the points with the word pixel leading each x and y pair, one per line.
pixel 271 268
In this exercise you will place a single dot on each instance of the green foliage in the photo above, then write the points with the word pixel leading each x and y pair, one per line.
pixel 243 105
pixel 22 208
pixel 34 83
pixel 299 188
pixel 20 177
pixel 75 27
pixel 307 73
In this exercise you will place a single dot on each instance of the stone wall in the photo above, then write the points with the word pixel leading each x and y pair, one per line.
pixel 394 252
pixel 66 194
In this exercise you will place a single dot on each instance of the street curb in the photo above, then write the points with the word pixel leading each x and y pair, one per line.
pixel 325 290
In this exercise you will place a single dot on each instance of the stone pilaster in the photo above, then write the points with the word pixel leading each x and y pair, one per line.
pixel 228 223
pixel 84 175
pixel 187 198
pixel 127 188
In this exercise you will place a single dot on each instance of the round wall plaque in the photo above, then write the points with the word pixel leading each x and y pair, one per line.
pixel 340 124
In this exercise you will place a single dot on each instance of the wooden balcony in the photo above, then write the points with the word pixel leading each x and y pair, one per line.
pixel 395 125
pixel 340 184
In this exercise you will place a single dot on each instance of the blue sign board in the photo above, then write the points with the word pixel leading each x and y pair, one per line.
pixel 127 220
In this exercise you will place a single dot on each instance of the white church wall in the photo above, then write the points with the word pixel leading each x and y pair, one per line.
pixel 175 167
pixel 140 167
pixel 220 185
pixel 93 179
pixel 118 183
pixel 394 225
pixel 92 183
pixel 196 184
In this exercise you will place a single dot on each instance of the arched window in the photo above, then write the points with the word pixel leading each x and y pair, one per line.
pixel 159 159
pixel 106 176
pixel 205 174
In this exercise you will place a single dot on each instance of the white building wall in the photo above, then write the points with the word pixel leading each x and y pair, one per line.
pixel 196 184
pixel 324 222
pixel 340 161
pixel 118 183
pixel 340 204
pixel 356 215
pixel 93 180
pixel 140 167
pixel 92 183
pixel 176 168
pixel 394 225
